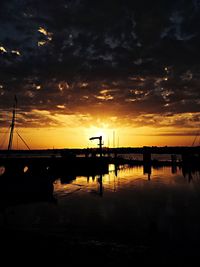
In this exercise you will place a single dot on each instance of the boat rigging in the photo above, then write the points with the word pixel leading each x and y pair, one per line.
pixel 12 126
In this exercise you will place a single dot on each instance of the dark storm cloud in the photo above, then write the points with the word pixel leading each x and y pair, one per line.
pixel 124 58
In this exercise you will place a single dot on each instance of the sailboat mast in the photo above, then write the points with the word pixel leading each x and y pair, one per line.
pixel 12 125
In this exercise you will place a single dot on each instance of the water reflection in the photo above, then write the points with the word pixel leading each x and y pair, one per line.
pixel 143 205
pixel 174 169
pixel 43 187
pixel 123 177
pixel 147 170
pixel 99 179
pixel 121 211
pixel 191 175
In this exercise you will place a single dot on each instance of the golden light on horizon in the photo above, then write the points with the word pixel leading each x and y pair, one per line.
pixel 94 131
pixel 74 130
pixel 78 137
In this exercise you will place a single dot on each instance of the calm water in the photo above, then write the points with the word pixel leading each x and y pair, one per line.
pixel 126 198
pixel 131 198
pixel 125 210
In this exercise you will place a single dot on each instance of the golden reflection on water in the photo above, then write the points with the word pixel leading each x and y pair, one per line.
pixel 125 178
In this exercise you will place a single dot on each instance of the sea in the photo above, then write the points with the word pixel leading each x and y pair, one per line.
pixel 127 215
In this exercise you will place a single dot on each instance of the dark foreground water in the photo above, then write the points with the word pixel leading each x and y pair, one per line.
pixel 123 217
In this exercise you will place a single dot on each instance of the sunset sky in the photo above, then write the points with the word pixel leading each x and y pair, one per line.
pixel 82 68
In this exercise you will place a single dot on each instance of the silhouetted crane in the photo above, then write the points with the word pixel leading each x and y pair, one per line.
pixel 100 143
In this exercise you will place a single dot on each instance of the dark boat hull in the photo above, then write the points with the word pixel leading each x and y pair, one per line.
pixel 54 166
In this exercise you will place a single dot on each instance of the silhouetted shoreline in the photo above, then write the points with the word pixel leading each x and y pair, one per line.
pixel 86 159
pixel 119 150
